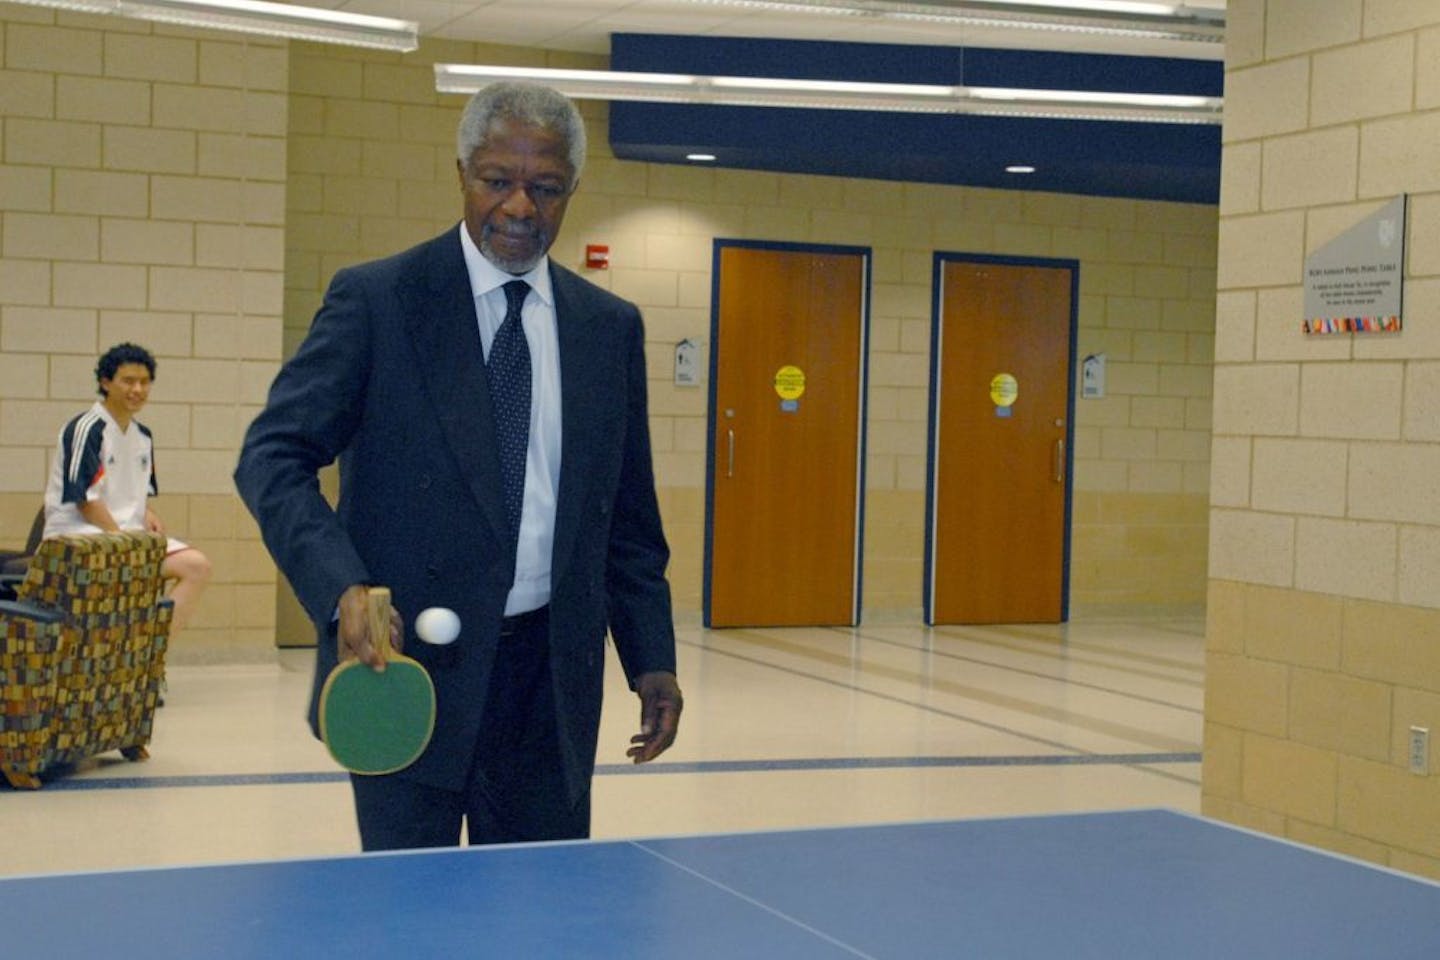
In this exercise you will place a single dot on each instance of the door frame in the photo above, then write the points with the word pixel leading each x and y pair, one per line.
pixel 712 413
pixel 937 277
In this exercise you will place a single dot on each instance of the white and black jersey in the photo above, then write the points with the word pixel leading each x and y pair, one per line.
pixel 96 460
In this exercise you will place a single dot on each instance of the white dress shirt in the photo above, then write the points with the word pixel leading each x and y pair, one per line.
pixel 531 589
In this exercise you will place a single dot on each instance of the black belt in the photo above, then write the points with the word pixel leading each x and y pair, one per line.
pixel 523 622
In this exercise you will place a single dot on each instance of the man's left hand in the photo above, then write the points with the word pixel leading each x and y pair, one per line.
pixel 660 706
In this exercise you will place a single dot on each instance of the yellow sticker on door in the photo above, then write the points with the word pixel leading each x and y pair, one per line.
pixel 790 382
pixel 1004 389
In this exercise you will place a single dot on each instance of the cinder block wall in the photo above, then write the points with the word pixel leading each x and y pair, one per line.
pixel 1147 302
pixel 1324 602
pixel 263 168
pixel 142 197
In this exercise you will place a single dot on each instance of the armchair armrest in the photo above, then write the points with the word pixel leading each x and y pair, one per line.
pixel 30 611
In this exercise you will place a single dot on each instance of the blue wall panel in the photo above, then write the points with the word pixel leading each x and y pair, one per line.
pixel 1147 161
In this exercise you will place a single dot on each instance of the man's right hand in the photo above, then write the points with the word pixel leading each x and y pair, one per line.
pixel 352 635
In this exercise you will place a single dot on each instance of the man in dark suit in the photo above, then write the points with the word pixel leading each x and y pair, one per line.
pixel 494 456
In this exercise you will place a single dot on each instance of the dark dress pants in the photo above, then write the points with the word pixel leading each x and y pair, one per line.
pixel 515 789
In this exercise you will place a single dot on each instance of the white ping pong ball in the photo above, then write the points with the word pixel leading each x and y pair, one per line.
pixel 438 625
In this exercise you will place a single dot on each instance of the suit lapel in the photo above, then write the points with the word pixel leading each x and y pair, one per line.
pixel 581 351
pixel 439 315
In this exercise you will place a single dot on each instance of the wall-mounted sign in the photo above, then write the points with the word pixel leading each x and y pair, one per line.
pixel 1092 377
pixel 687 363
pixel 1355 283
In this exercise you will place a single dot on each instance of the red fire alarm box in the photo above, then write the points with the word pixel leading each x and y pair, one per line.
pixel 597 256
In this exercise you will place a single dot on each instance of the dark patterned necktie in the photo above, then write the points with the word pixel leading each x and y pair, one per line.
pixel 508 371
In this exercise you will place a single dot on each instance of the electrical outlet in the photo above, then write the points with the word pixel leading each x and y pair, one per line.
pixel 1420 750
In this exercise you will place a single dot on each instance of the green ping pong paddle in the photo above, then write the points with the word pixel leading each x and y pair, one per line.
pixel 376 723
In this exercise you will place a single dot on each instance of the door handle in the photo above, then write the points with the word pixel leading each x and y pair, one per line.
pixel 730 461
pixel 1060 460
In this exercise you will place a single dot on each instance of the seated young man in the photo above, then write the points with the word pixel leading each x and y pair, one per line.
pixel 103 474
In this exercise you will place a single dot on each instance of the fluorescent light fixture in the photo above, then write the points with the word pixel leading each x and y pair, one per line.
pixel 700 157
pixel 841 95
pixel 1019 168
pixel 1157 100
pixel 1180 22
pixel 258 17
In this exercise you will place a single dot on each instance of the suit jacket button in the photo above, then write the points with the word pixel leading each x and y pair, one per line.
pixel 425 481
pixel 432 571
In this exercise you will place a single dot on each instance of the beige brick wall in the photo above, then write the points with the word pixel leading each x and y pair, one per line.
pixel 265 168
pixel 1147 302
pixel 1324 627
pixel 142 197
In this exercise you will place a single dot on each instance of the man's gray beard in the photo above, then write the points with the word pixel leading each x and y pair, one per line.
pixel 516 267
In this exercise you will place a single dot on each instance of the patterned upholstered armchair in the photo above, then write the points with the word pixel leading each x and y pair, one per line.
pixel 82 653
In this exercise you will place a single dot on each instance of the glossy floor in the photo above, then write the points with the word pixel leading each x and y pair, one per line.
pixel 782 728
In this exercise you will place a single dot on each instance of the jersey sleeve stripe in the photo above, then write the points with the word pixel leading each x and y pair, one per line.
pixel 80 444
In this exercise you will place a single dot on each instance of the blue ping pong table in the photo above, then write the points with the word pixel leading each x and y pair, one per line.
pixel 1122 885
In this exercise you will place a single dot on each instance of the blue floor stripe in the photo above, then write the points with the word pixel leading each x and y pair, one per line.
pixel 625 769
pixel 901 763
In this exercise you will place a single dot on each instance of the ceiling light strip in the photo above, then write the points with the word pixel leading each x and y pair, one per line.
pixel 842 95
pixel 1157 21
pixel 258 17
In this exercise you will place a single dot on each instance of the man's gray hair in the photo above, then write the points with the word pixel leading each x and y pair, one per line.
pixel 528 103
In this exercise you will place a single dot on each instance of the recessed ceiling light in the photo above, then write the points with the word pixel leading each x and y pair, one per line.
pixel 700 156
pixel 1019 168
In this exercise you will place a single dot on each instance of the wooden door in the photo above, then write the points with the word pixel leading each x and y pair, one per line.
pixel 786 446
pixel 998 511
